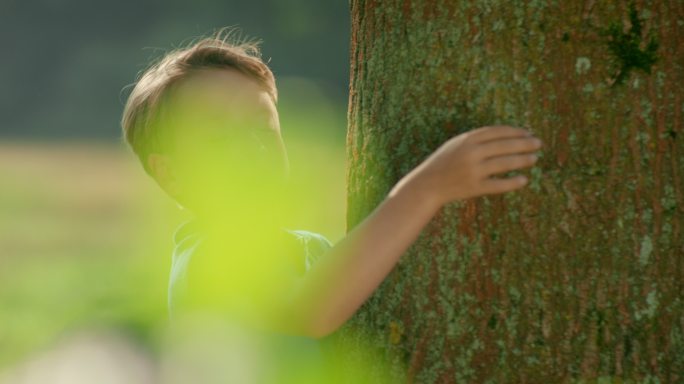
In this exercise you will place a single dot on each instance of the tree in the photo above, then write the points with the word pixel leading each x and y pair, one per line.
pixel 578 276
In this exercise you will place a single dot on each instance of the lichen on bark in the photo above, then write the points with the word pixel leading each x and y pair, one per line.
pixel 575 278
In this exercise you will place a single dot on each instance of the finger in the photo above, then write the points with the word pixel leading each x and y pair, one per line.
pixel 483 134
pixel 494 185
pixel 508 146
pixel 507 163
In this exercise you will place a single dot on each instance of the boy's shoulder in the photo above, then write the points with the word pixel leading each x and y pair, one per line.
pixel 188 236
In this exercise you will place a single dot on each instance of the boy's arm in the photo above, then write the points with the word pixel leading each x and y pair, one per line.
pixel 339 283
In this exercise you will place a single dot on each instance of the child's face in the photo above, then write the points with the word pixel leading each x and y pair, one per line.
pixel 227 146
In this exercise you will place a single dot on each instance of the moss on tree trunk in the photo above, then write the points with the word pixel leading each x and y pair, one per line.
pixel 579 275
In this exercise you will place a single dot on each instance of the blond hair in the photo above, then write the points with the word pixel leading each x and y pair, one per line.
pixel 143 112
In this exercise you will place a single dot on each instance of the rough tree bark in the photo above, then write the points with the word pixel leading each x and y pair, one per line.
pixel 577 276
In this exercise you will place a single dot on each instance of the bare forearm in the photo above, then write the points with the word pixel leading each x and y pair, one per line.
pixel 460 168
pixel 339 283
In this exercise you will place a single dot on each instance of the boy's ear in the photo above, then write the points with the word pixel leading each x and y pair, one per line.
pixel 161 168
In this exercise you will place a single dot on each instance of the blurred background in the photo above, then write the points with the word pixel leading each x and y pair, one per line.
pixel 85 235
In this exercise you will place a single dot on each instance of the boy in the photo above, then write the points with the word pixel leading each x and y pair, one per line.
pixel 204 123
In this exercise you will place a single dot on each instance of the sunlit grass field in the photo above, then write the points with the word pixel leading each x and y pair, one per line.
pixel 86 236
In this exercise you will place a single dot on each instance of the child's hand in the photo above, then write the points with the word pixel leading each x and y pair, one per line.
pixel 461 167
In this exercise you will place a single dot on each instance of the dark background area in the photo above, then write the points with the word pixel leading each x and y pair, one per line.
pixel 67 66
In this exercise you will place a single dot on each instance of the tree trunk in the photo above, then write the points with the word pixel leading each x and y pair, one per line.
pixel 576 276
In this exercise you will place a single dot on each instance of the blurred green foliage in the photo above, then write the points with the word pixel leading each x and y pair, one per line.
pixel 86 236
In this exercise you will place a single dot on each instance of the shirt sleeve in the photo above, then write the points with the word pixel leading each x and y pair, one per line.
pixel 315 246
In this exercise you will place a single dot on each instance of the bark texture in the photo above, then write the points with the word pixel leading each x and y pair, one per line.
pixel 579 276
